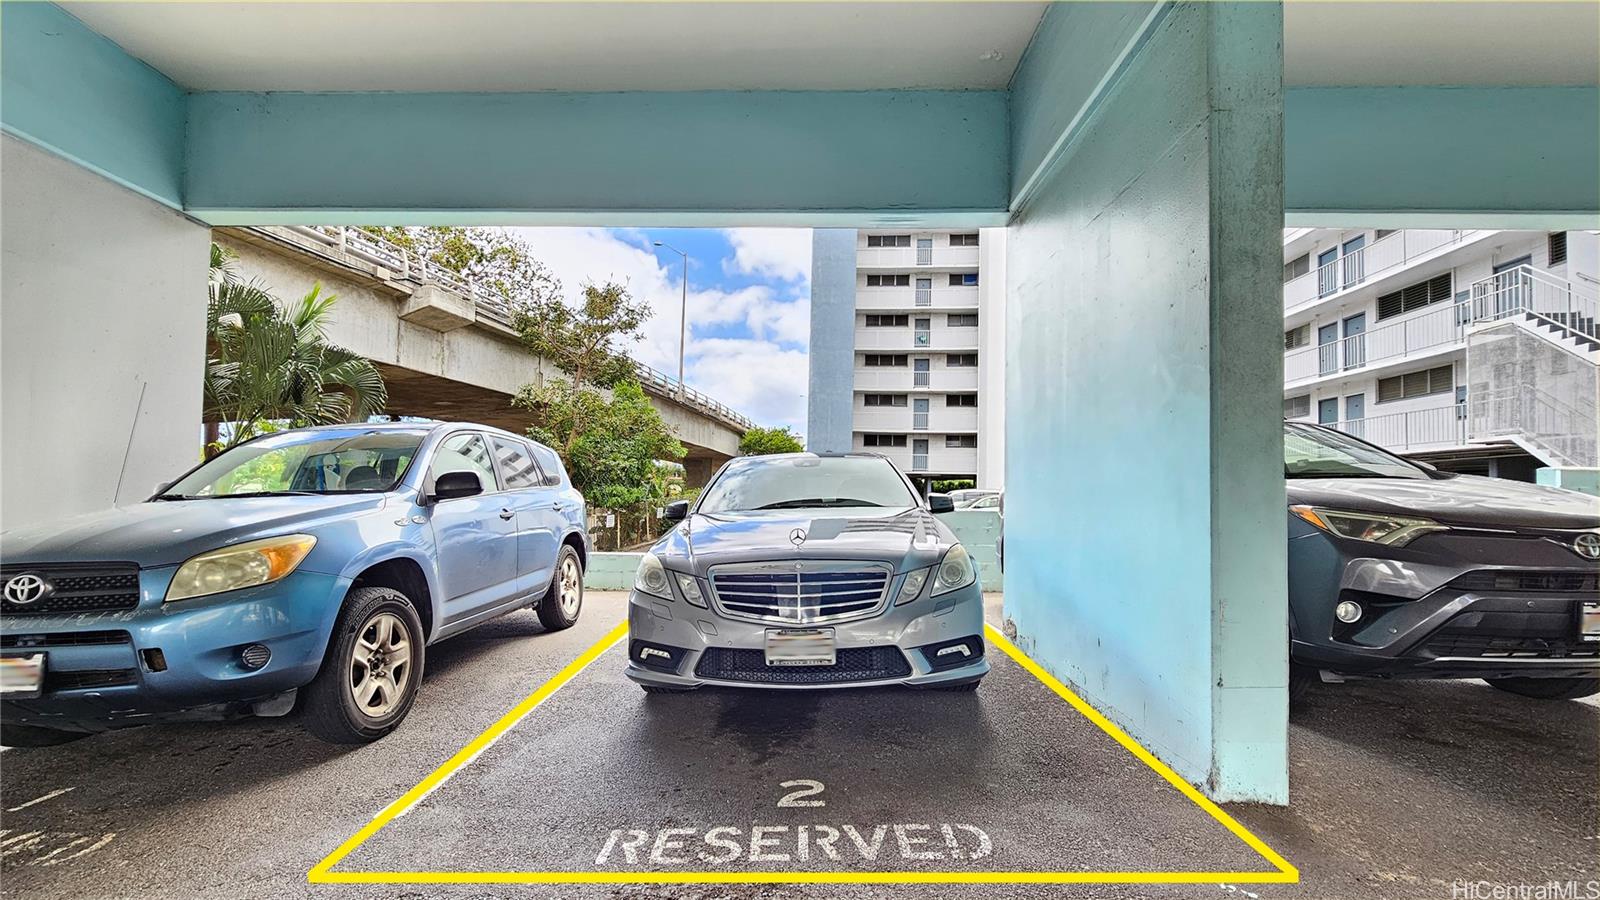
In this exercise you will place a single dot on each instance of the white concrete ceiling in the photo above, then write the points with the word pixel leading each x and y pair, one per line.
pixel 615 46
pixel 571 46
pixel 1441 43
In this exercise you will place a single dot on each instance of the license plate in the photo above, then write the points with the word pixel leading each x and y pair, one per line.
pixel 21 676
pixel 1589 621
pixel 800 647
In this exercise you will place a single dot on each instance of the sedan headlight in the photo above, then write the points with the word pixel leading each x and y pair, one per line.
pixel 955 572
pixel 689 587
pixel 651 578
pixel 240 566
pixel 912 586
pixel 1391 531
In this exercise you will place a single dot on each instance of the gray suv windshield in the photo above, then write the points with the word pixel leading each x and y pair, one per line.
pixel 1318 453
pixel 807 481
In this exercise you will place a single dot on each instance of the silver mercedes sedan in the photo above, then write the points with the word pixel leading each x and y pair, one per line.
pixel 806 571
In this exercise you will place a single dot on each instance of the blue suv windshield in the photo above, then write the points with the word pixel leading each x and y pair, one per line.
pixel 305 462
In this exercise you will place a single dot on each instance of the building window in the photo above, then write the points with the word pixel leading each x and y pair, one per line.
pixel 1557 245
pixel 883 440
pixel 962 320
pixel 961 360
pixel 963 279
pixel 1297 407
pixel 969 441
pixel 960 399
pixel 886 359
pixel 883 399
pixel 1412 297
pixel 887 321
pixel 963 240
pixel 888 240
pixel 1381 234
pixel 888 281
pixel 1297 337
pixel 1294 268
pixel 1438 380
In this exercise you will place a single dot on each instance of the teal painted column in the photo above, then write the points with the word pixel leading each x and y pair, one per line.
pixel 830 393
pixel 1145 522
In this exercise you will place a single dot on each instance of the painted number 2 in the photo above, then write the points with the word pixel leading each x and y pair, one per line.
pixel 807 788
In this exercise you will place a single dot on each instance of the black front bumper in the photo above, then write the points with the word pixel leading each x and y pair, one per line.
pixel 1442 608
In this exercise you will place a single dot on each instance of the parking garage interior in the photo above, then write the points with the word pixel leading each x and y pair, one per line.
pixel 1143 158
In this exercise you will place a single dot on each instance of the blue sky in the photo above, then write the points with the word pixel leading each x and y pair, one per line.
pixel 749 304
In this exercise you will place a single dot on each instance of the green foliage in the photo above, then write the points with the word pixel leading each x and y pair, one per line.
pixel 953 484
pixel 267 365
pixel 489 258
pixel 587 341
pixel 760 441
pixel 612 445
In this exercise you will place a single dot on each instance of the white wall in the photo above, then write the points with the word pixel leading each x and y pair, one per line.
pixel 992 360
pixel 102 339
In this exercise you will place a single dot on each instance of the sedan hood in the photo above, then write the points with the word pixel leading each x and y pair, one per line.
pixel 169 532
pixel 905 538
pixel 1466 500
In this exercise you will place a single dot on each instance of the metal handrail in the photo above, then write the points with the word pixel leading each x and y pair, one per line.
pixel 1525 289
pixel 413 267
pixel 1362 264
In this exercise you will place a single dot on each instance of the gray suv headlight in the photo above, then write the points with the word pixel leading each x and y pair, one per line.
pixel 1391 531
pixel 955 572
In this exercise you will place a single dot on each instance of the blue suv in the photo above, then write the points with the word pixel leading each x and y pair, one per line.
pixel 305 568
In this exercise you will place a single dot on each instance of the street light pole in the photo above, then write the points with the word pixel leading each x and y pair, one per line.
pixel 683 313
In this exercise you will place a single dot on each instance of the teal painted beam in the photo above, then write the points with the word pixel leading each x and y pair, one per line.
pixel 73 92
pixel 1484 157
pixel 706 157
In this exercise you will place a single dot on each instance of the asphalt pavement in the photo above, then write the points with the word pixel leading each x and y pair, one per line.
pixel 1398 791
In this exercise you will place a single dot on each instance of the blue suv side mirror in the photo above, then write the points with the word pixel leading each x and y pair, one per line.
pixel 451 485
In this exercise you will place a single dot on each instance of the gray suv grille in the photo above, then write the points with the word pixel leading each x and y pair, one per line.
pixel 803 593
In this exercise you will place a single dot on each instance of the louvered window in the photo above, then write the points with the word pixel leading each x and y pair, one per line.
pixel 1438 380
pixel 888 240
pixel 1435 290
pixel 1297 337
pixel 1294 268
pixel 888 280
pixel 963 240
pixel 1297 407
pixel 1558 248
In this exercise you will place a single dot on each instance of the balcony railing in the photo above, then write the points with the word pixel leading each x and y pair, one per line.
pixel 913 298
pixel 1430 330
pixel 914 257
pixel 1418 429
pixel 1526 290
pixel 489 304
pixel 1361 265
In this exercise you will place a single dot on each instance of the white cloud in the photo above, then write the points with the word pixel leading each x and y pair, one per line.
pixel 783 253
pixel 761 371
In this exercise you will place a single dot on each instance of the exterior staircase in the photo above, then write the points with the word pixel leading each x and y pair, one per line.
pixel 1533 366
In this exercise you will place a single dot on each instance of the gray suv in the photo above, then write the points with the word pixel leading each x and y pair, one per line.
pixel 1398 570
pixel 806 571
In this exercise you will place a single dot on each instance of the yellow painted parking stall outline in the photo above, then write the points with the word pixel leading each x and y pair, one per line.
pixel 1281 873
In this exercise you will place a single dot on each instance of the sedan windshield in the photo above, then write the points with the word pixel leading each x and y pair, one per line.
pixel 1319 453
pixel 796 482
pixel 303 462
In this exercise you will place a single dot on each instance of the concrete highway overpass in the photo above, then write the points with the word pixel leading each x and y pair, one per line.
pixel 446 350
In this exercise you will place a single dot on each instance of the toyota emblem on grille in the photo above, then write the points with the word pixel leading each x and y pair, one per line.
pixel 797 536
pixel 26 589
pixel 1587 545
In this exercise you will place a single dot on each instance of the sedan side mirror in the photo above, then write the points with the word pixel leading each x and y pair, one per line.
pixel 676 511
pixel 941 505
pixel 451 485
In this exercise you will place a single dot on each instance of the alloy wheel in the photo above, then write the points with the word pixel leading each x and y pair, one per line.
pixel 380 665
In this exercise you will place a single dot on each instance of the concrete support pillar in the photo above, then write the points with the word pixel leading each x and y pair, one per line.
pixel 697 470
pixel 1145 522
pixel 830 397
pixel 102 353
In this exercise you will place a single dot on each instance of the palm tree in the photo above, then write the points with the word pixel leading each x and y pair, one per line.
pixel 267 365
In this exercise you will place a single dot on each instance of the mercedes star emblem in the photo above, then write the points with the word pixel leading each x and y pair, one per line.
pixel 797 536
pixel 25 589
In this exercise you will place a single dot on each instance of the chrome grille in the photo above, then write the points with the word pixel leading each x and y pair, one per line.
pixel 804 592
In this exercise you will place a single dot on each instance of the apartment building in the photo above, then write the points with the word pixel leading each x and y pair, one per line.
pixel 1474 350
pixel 921 365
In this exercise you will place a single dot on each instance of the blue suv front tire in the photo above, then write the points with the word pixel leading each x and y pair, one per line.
pixel 371 671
